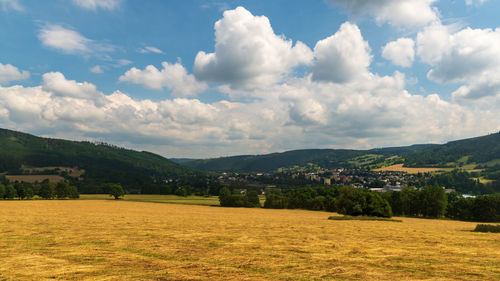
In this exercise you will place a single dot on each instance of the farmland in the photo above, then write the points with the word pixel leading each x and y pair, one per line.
pixel 400 168
pixel 121 240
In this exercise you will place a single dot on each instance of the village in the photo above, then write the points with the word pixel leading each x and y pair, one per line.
pixel 313 175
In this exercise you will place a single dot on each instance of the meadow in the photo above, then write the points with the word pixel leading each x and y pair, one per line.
pixel 124 240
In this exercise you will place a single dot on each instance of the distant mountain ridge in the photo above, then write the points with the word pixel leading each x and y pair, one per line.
pixel 473 151
pixel 101 162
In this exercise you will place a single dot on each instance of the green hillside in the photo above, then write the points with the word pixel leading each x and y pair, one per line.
pixel 481 153
pixel 101 162
pixel 326 158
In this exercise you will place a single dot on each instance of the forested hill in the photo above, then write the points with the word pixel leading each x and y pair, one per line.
pixel 326 158
pixel 101 162
pixel 481 152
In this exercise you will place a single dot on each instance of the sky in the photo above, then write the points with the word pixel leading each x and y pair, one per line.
pixel 201 79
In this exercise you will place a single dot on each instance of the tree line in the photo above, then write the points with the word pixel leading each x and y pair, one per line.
pixel 45 190
pixel 428 201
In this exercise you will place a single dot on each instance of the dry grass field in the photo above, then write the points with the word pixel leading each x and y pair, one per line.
pixel 400 168
pixel 123 240
pixel 34 178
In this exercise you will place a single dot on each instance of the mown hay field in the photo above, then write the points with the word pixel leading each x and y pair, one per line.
pixel 400 168
pixel 123 240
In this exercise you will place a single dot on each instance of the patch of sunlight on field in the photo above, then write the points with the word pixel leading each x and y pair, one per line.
pixel 121 240
pixel 154 198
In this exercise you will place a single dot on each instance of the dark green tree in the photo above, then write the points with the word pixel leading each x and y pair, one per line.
pixel 73 192
pixel 225 197
pixel 253 198
pixel 116 190
pixel 275 199
pixel 62 190
pixel 2 191
pixel 10 192
pixel 433 201
pixel 351 201
pixel 47 190
pixel 377 206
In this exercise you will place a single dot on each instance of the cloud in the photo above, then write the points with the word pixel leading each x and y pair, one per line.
pixel 173 77
pixel 97 69
pixel 474 2
pixel 9 73
pixel 149 49
pixel 11 5
pixel 341 57
pixel 400 52
pixel 70 41
pixel 470 56
pixel 398 13
pixel 58 85
pixel 301 113
pixel 248 53
pixel 98 4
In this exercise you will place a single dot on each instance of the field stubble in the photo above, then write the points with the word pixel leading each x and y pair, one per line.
pixel 120 240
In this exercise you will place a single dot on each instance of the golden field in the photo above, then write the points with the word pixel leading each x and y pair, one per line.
pixel 123 240
pixel 400 168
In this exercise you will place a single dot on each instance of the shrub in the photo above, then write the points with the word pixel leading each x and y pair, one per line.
pixel 487 228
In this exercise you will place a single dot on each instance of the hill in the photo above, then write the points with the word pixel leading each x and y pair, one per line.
pixel 22 153
pixel 481 153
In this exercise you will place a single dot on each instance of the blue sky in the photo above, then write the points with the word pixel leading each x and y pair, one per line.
pixel 215 78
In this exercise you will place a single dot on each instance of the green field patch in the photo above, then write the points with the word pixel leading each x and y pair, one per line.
pixel 155 198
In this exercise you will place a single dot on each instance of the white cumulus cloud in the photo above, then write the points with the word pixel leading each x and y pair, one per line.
pixel 341 57
pixel 248 53
pixel 173 77
pixel 70 41
pixel 9 73
pixel 470 56
pixel 400 52
pixel 398 13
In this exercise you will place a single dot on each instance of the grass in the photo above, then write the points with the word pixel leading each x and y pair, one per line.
pixel 154 198
pixel 361 218
pixel 124 240
pixel 487 228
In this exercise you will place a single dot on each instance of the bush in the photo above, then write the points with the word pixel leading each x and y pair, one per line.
pixel 487 228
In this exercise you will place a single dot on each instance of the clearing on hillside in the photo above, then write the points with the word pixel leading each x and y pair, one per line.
pixel 400 168
pixel 122 240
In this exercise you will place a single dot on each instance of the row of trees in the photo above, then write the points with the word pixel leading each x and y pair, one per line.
pixel 482 208
pixel 45 190
pixel 238 199
pixel 428 201
pixel 344 200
